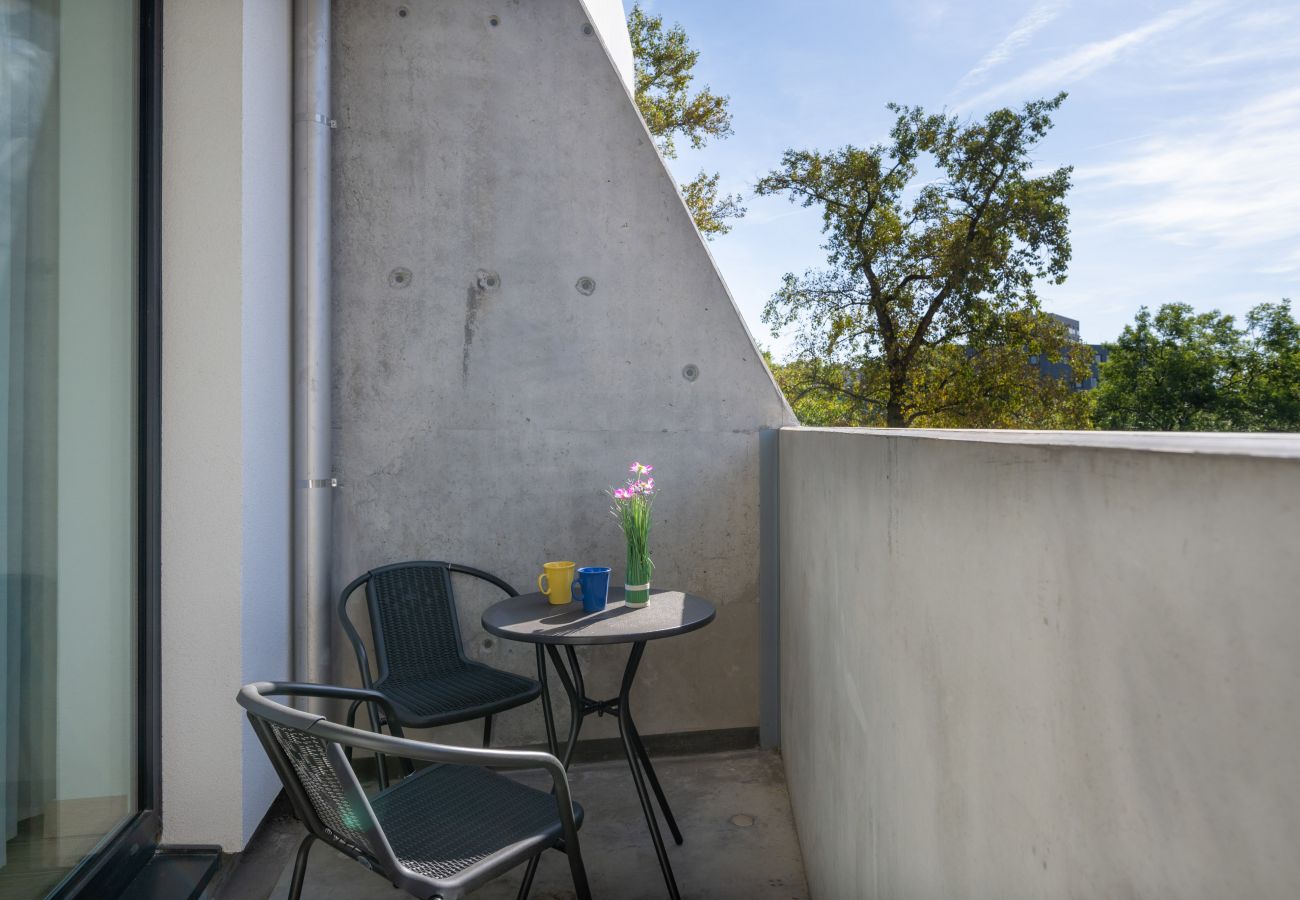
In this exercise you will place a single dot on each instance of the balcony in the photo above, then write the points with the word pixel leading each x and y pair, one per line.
pixel 1010 664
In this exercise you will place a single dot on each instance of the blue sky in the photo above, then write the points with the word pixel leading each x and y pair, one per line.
pixel 1183 125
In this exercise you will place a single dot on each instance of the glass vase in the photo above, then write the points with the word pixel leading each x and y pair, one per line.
pixel 637 582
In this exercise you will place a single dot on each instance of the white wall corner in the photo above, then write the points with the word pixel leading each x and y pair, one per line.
pixel 225 386
pixel 266 371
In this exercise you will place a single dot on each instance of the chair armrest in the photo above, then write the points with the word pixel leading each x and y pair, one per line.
pixel 485 576
pixel 331 692
pixel 425 751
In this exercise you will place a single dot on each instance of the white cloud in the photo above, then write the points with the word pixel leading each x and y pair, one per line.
pixel 1032 22
pixel 924 14
pixel 1060 73
pixel 1225 182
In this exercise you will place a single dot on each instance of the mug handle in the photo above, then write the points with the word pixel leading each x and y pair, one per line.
pixel 544 588
pixel 575 590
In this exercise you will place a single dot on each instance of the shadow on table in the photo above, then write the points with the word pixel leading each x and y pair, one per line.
pixel 576 620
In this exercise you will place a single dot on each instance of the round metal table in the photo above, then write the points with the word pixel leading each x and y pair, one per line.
pixel 532 619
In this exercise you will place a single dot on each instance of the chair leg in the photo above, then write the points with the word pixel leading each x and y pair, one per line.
pixel 529 873
pixel 577 869
pixel 300 867
pixel 487 731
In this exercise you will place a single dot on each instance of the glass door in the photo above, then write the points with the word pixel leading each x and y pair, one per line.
pixel 69 421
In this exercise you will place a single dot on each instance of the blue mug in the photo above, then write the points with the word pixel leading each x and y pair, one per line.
pixel 592 588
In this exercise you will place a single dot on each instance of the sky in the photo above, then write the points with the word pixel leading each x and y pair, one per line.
pixel 1183 125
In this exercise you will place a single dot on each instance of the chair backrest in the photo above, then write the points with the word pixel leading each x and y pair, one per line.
pixel 324 790
pixel 413 619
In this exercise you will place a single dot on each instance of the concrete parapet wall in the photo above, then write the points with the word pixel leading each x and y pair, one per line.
pixel 1042 665
pixel 522 307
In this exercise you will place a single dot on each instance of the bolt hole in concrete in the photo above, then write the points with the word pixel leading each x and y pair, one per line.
pixel 399 278
pixel 402 12
pixel 488 281
pixel 587 29
pixel 740 820
pixel 494 21
pixel 586 286
pixel 690 371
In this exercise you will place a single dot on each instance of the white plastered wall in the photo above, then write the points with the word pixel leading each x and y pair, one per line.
pixel 226 424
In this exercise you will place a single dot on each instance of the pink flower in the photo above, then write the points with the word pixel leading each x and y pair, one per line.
pixel 622 494
pixel 649 485
pixel 637 469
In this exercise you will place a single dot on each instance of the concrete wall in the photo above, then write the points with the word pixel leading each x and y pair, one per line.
pixel 1036 665
pixel 483 402
pixel 225 397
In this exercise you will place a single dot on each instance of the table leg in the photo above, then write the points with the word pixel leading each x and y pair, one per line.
pixel 627 731
pixel 576 712
pixel 577 674
pixel 654 782
pixel 529 874
pixel 547 713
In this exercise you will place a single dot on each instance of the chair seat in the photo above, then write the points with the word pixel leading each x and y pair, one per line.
pixel 458 695
pixel 464 825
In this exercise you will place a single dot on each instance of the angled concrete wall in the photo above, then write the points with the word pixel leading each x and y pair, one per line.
pixel 1042 665
pixel 522 307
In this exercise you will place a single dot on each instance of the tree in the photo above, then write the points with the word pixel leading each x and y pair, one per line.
pixel 993 384
pixel 664 62
pixel 1179 370
pixel 916 270
pixel 805 384
pixel 709 210
pixel 1272 392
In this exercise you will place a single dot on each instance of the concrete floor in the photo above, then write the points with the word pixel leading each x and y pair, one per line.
pixel 720 859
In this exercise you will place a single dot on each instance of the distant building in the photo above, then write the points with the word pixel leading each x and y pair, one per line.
pixel 1061 369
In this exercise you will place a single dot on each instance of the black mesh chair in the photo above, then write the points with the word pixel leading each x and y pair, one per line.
pixel 439 833
pixel 423 670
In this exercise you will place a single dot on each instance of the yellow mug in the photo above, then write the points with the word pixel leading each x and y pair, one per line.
pixel 557 582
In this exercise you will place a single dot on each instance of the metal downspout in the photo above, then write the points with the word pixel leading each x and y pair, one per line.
pixel 312 363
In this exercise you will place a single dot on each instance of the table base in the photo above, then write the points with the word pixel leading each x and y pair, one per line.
pixel 638 759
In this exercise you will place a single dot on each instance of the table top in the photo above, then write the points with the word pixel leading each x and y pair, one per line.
pixel 532 619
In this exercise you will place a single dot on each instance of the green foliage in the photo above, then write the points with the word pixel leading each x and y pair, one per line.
pixel 813 388
pixel 1272 393
pixel 709 210
pixel 920 272
pixel 664 64
pixel 988 384
pixel 1179 370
